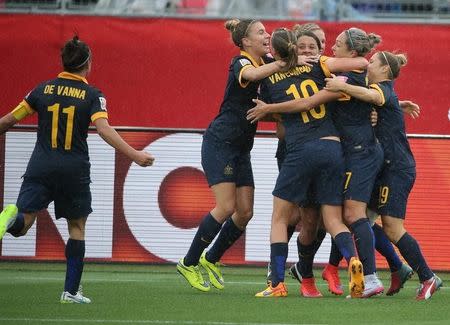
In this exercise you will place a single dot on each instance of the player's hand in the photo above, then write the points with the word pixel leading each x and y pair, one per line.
pixel 410 108
pixel 336 83
pixel 373 117
pixel 258 112
pixel 143 159
pixel 307 60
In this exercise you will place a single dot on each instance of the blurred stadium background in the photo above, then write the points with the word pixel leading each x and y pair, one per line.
pixel 162 66
pixel 428 11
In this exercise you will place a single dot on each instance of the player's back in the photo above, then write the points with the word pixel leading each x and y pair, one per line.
pixel 301 82
pixel 65 106
pixel 352 116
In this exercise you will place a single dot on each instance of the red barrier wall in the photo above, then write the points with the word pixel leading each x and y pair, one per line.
pixel 172 73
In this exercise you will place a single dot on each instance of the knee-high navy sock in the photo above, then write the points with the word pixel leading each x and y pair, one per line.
pixel 227 237
pixel 75 250
pixel 321 233
pixel 365 244
pixel 306 258
pixel 335 255
pixel 344 242
pixel 17 226
pixel 206 232
pixel 384 246
pixel 410 250
pixel 290 231
pixel 278 256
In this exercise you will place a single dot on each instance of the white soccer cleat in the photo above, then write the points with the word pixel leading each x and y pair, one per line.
pixel 68 298
pixel 373 286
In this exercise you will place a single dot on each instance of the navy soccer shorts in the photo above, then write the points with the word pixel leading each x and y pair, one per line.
pixel 72 200
pixel 361 170
pixel 391 191
pixel 318 164
pixel 226 163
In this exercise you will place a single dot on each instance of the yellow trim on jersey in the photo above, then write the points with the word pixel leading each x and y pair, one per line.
pixel 72 76
pixel 98 115
pixel 344 97
pixel 22 110
pixel 377 88
pixel 248 56
pixel 324 67
pixel 254 64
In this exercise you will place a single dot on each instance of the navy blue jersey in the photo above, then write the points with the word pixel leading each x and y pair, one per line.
pixel 301 82
pixel 390 129
pixel 65 107
pixel 231 124
pixel 352 116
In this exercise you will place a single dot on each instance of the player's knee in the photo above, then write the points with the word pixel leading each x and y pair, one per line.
pixel 393 231
pixel 243 217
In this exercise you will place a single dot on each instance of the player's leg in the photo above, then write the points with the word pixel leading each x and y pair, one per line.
pixel 394 190
pixel 208 229
pixel 332 217
pixel 411 252
pixel 235 225
pixel 354 215
pixel 75 251
pixel 282 209
pixel 73 201
pixel 400 272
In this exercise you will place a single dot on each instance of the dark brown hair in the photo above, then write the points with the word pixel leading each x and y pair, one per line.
pixel 239 29
pixel 394 61
pixel 361 42
pixel 284 43
pixel 75 55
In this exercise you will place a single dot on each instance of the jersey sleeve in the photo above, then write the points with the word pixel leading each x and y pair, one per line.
pixel 98 107
pixel 22 110
pixel 382 90
pixel 27 106
pixel 239 65
pixel 324 66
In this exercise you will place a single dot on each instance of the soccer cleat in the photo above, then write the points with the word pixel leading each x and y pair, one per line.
pixel 279 291
pixel 214 273
pixel 193 275
pixel 372 286
pixel 428 288
pixel 356 275
pixel 295 273
pixel 399 278
pixel 308 288
pixel 6 218
pixel 78 298
pixel 331 275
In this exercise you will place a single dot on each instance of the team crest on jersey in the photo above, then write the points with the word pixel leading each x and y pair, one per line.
pixel 244 62
pixel 102 103
pixel 228 170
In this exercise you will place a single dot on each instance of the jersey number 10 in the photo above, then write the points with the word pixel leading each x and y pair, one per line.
pixel 316 113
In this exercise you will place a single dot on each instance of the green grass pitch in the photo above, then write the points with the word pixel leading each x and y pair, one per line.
pixel 150 294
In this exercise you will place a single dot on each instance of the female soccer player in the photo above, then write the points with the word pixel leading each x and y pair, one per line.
pixel 397 177
pixel 226 155
pixel 59 168
pixel 307 135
